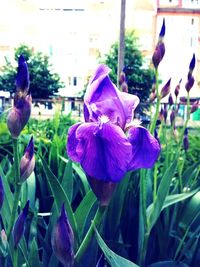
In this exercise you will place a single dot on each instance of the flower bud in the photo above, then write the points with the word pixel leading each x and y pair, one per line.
pixel 160 47
pixel 195 106
pixel 185 140
pixel 22 77
pixel 172 117
pixel 177 89
pixel 152 96
pixel 102 190
pixel 122 77
pixel 158 54
pixel 19 116
pixel 170 100
pixel 3 244
pixel 166 89
pixel 161 117
pixel 192 64
pixel 1 193
pixel 165 113
pixel 189 84
pixel 124 87
pixel 27 163
pixel 19 227
pixel 62 240
pixel 156 136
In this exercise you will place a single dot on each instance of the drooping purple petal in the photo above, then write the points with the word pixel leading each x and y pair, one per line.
pixel 72 142
pixel 103 150
pixel 102 98
pixel 145 148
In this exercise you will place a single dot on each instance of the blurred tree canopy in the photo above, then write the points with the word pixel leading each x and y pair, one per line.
pixel 43 81
pixel 139 77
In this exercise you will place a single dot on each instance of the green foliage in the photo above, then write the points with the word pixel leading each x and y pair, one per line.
pixel 44 83
pixel 139 78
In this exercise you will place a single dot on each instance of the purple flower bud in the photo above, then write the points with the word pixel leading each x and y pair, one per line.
pixel 19 227
pixel 172 117
pixel 158 54
pixel 19 116
pixel 161 114
pixel 166 89
pixel 185 142
pixel 122 78
pixel 152 96
pixel 165 113
pixel 177 89
pixel 62 240
pixel 186 131
pixel 1 193
pixel 192 63
pixel 27 163
pixel 102 190
pixel 156 136
pixel 170 100
pixel 22 77
pixel 162 31
pixel 195 106
pixel 189 84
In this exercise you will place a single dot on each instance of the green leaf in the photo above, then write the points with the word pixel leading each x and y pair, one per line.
pixel 83 209
pixel 60 197
pixel 67 181
pixel 162 192
pixel 173 199
pixel 80 173
pixel 168 264
pixel 33 256
pixel 113 259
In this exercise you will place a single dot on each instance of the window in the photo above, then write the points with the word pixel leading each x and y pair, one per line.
pixel 75 81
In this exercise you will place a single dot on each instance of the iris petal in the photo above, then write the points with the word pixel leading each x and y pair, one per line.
pixel 102 98
pixel 145 148
pixel 129 102
pixel 103 150
pixel 72 142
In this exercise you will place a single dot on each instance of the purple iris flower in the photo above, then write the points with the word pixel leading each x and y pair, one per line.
pixel 108 144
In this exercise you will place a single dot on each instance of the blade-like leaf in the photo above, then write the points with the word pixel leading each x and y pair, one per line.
pixel 162 192
pixel 67 181
pixel 33 256
pixel 168 264
pixel 60 197
pixel 173 199
pixel 113 259
pixel 84 208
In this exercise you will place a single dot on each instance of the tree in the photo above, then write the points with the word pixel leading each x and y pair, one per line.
pixel 139 78
pixel 43 81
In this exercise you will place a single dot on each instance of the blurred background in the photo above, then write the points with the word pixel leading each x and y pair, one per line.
pixel 76 33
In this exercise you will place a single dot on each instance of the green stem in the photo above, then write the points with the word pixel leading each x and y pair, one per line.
pixel 17 185
pixel 153 124
pixel 144 236
pixel 15 257
pixel 86 241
